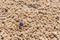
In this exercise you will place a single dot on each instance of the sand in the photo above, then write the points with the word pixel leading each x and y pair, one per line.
pixel 41 19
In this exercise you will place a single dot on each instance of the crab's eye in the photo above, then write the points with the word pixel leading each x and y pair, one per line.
pixel 21 23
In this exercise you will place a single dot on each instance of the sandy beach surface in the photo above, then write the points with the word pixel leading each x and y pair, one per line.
pixel 40 19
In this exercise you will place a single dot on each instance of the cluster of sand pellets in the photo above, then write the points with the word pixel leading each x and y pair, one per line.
pixel 41 19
